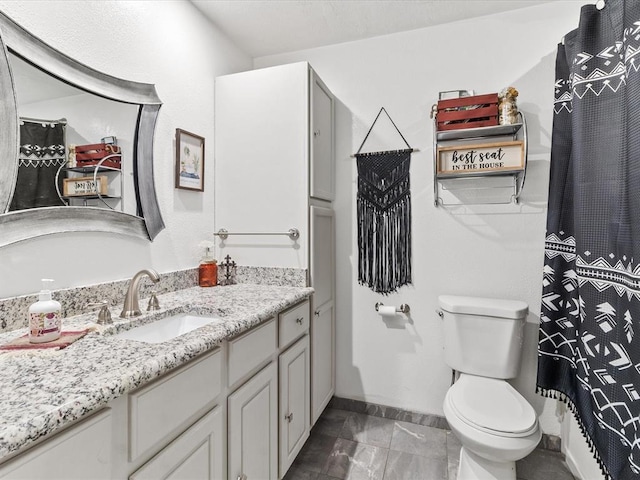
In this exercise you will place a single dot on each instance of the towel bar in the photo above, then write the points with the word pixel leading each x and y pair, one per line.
pixel 292 233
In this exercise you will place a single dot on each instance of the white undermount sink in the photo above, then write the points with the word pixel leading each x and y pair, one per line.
pixel 167 328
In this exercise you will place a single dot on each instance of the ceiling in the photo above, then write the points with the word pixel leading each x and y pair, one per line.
pixel 268 27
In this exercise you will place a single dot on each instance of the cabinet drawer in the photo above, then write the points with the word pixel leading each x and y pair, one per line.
pixel 250 350
pixel 293 323
pixel 163 409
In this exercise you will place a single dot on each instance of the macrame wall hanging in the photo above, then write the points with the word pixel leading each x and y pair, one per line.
pixel 384 216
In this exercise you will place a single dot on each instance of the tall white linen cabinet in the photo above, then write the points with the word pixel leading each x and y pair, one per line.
pixel 274 171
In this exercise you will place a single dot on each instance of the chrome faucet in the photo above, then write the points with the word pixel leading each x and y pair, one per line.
pixel 132 299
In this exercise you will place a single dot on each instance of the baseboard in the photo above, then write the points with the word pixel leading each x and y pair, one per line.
pixel 391 413
pixel 548 442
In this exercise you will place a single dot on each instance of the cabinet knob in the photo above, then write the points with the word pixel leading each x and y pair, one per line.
pixel 299 320
pixel 289 417
pixel 242 477
pixel 317 313
pixel 316 133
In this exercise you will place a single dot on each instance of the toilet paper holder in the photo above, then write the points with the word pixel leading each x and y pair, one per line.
pixel 403 308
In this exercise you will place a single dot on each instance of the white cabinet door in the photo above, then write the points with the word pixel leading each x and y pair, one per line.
pixel 294 401
pixel 80 452
pixel 253 427
pixel 197 454
pixel 322 268
pixel 322 182
pixel 322 274
pixel 323 378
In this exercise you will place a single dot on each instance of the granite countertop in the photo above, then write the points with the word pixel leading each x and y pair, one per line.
pixel 44 390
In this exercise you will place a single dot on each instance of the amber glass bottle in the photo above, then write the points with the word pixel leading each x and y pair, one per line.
pixel 208 271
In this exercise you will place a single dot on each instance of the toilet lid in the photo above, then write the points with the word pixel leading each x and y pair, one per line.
pixel 492 405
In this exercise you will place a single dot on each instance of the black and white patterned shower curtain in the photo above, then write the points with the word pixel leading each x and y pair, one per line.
pixel 589 347
pixel 42 152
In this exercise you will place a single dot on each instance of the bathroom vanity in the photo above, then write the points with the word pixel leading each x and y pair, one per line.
pixel 228 400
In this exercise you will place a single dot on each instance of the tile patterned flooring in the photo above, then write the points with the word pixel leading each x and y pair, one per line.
pixel 355 446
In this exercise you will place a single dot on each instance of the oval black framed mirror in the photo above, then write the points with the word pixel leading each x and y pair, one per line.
pixel 15 226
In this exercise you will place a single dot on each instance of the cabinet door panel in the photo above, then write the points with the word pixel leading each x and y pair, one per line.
pixel 321 140
pixel 322 254
pixel 294 401
pixel 253 428
pixel 196 466
pixel 323 381
pixel 197 454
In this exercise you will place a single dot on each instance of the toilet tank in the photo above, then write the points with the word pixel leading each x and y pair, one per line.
pixel 483 336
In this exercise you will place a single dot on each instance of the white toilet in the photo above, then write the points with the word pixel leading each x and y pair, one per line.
pixel 495 424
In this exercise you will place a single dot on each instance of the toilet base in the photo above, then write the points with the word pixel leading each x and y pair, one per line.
pixel 474 467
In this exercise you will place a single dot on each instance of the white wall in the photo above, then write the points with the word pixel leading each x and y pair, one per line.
pixel 494 251
pixel 166 43
pixel 261 128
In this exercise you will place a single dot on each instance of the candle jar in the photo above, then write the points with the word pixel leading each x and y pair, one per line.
pixel 208 273
pixel 508 113
pixel 208 269
pixel 507 107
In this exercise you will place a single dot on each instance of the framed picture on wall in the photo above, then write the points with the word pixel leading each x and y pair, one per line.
pixel 189 161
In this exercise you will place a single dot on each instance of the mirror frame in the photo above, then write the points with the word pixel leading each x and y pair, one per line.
pixel 21 225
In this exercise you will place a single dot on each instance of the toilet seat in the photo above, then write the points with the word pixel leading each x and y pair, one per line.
pixel 492 406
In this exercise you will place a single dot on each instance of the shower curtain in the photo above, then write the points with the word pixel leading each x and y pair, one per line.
pixel 589 345
pixel 42 152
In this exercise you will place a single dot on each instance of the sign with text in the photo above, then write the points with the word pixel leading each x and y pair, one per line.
pixel 80 186
pixel 485 157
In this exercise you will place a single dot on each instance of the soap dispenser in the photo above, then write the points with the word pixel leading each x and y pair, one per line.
pixel 45 320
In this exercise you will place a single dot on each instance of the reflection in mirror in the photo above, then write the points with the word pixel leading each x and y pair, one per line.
pixel 41 155
pixel 104 109
pixel 55 118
